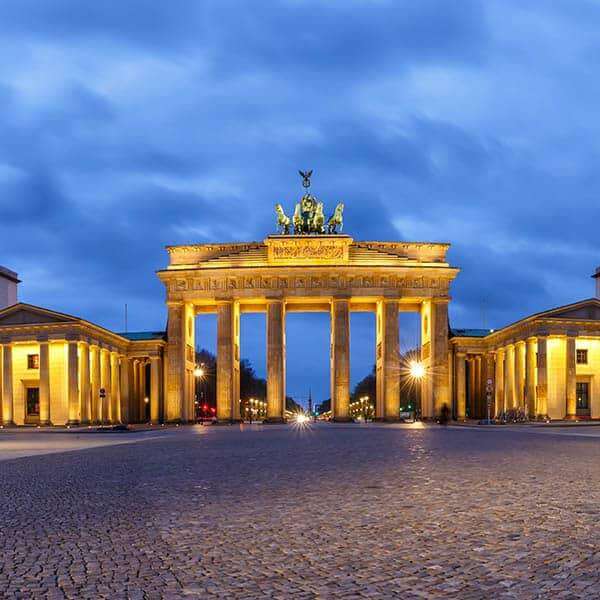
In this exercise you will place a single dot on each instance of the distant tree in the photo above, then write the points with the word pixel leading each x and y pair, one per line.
pixel 408 387
pixel 292 405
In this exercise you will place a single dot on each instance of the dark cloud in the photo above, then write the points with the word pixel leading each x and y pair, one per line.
pixel 129 126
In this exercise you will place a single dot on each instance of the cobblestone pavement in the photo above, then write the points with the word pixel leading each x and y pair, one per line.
pixel 331 511
pixel 16 443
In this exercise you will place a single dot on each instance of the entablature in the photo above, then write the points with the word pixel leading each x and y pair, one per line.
pixel 311 282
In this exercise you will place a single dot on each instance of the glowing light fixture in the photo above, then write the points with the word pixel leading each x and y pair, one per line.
pixel 417 369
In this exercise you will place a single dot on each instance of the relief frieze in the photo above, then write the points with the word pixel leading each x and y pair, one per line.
pixel 312 282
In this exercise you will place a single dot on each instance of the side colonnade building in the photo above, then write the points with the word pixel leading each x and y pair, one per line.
pixel 57 369
pixel 545 366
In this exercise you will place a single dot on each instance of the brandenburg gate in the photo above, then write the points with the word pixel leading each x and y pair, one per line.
pixel 316 268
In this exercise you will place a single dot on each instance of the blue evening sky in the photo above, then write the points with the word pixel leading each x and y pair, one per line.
pixel 127 126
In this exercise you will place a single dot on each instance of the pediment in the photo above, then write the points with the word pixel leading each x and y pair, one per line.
pixel 588 310
pixel 26 314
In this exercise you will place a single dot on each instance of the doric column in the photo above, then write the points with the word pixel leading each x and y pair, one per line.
pixel 73 383
pixel 134 408
pixel 571 379
pixel 489 375
pixel 478 395
pixel 7 385
pixel 104 403
pixel 125 371
pixel 84 376
pixel 275 360
pixel 509 376
pixel 95 412
pixel 340 359
pixel 115 388
pixel 520 374
pixel 461 384
pixel 530 366
pixel 439 355
pixel 542 375
pixel 228 393
pixel 154 389
pixel 44 382
pixel 388 361
pixel 142 389
pixel 500 406
pixel 471 363
pixel 181 361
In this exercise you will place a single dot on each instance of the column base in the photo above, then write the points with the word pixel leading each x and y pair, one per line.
pixel 342 420
pixel 47 423
pixel 72 423
pixel 8 424
pixel 274 420
pixel 571 417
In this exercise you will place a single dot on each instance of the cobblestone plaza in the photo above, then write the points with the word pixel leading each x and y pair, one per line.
pixel 325 511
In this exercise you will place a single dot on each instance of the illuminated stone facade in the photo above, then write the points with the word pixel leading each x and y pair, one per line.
pixel 327 273
pixel 546 365
pixel 54 366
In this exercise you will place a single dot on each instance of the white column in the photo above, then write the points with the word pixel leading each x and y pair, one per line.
pixel 115 388
pixel 7 385
pixel 542 375
pixel 84 374
pixel 340 360
pixel 461 385
pixel 44 382
pixel 154 389
pixel 530 366
pixel 275 361
pixel 387 404
pixel 73 370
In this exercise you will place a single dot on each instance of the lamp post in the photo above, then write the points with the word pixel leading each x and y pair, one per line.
pixel 199 376
pixel 417 372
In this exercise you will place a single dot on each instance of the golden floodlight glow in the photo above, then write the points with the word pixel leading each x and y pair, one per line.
pixel 198 372
pixel 417 369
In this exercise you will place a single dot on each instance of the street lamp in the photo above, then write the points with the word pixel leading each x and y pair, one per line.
pixel 417 369
pixel 417 372
pixel 199 375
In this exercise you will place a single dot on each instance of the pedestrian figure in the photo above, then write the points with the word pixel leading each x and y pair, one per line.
pixel 444 414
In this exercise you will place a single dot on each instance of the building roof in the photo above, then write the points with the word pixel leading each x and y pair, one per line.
pixel 583 310
pixel 27 315
pixel 470 332
pixel 8 274
pixel 137 336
